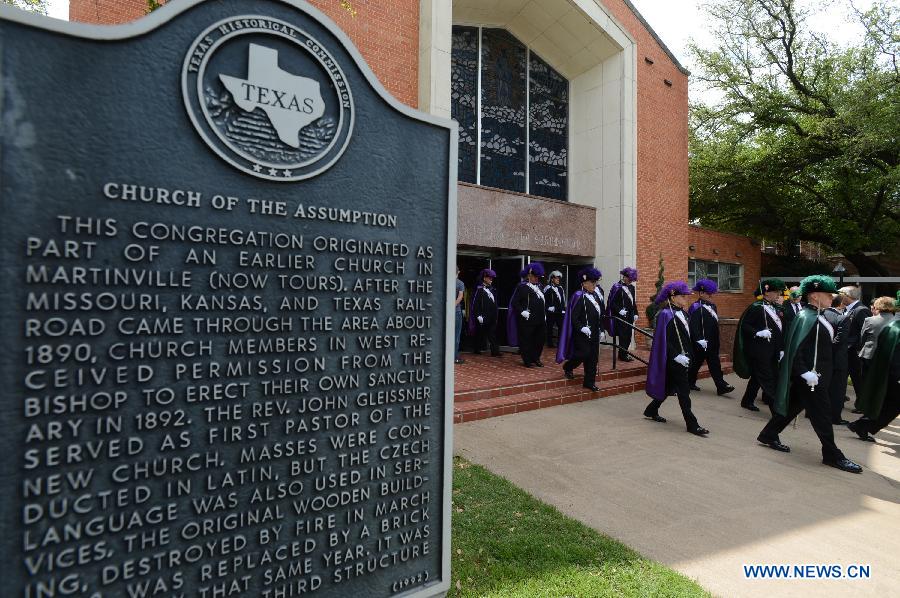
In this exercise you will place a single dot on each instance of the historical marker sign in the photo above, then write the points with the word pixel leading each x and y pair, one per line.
pixel 225 348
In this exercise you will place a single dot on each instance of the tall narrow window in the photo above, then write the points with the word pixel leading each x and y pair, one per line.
pixel 464 98
pixel 548 130
pixel 513 113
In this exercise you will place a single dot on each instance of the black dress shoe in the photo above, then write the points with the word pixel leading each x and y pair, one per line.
pixel 699 431
pixel 725 390
pixel 540 364
pixel 496 354
pixel 750 406
pixel 656 418
pixel 775 445
pixel 528 365
pixel 569 374
pixel 626 358
pixel 593 388
pixel 460 360
pixel 844 465
pixel 840 422
pixel 695 387
pixel 857 412
pixel 861 434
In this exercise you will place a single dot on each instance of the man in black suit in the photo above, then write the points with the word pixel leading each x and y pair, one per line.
pixel 703 318
pixel 555 297
pixel 792 307
pixel 857 312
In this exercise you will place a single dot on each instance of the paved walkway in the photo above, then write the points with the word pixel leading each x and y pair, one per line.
pixel 707 506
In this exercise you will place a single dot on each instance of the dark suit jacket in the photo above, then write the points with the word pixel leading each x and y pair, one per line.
pixel 857 317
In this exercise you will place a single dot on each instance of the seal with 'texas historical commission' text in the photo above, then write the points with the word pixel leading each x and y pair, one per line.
pixel 267 98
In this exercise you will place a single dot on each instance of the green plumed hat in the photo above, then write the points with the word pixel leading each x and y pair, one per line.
pixel 796 293
pixel 817 283
pixel 771 284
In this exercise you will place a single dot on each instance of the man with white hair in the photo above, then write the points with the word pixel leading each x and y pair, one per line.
pixel 555 299
pixel 856 312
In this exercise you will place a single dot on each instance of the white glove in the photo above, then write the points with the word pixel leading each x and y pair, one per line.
pixel 602 336
pixel 682 359
pixel 636 317
pixel 480 319
pixel 622 312
pixel 811 378
pixel 563 312
pixel 526 314
pixel 551 309
pixel 586 331
pixel 703 343
pixel 780 355
pixel 764 333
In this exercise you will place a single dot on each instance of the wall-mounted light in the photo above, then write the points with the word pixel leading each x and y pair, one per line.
pixel 716 251
pixel 667 82
pixel 648 60
pixel 737 254
pixel 691 247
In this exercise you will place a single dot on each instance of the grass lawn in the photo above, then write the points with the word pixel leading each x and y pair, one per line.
pixel 507 543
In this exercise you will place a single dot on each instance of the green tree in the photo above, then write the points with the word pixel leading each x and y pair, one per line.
pixel 38 6
pixel 805 142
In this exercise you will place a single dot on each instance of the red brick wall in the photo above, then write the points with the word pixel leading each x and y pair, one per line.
pixel 662 158
pixel 714 246
pixel 385 31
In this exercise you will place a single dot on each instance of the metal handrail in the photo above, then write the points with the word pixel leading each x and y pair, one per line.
pixel 617 348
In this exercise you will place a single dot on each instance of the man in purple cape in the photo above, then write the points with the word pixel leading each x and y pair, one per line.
pixel 525 320
pixel 483 314
pixel 670 356
pixel 582 330
pixel 704 325
pixel 621 304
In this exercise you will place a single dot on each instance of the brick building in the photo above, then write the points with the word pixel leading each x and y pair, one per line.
pixel 573 130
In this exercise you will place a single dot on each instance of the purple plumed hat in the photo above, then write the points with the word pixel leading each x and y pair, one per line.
pixel 706 286
pixel 589 273
pixel 630 273
pixel 487 272
pixel 670 289
pixel 535 268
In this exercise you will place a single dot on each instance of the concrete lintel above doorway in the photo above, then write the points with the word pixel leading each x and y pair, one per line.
pixel 495 219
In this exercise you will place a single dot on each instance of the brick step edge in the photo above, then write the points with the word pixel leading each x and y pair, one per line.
pixel 518 389
pixel 473 410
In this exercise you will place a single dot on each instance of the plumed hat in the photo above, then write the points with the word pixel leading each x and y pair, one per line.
pixel 487 272
pixel 707 286
pixel 556 274
pixel 629 272
pixel 670 289
pixel 535 268
pixel 771 284
pixel 817 283
pixel 589 273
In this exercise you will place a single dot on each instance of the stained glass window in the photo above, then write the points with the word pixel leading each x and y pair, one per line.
pixel 522 144
pixel 548 130
pixel 464 98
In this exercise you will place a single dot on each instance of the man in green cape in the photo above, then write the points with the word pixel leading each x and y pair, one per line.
pixel 759 343
pixel 805 375
pixel 880 396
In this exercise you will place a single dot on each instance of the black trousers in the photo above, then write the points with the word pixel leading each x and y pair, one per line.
pixel 837 391
pixel 554 328
pixel 764 375
pixel 817 403
pixel 587 351
pixel 531 341
pixel 889 411
pixel 623 338
pixel 710 356
pixel 486 333
pixel 856 373
pixel 677 381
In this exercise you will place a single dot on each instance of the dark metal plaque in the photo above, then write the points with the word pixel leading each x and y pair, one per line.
pixel 226 338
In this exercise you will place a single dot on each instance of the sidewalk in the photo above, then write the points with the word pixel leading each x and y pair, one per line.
pixel 707 506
